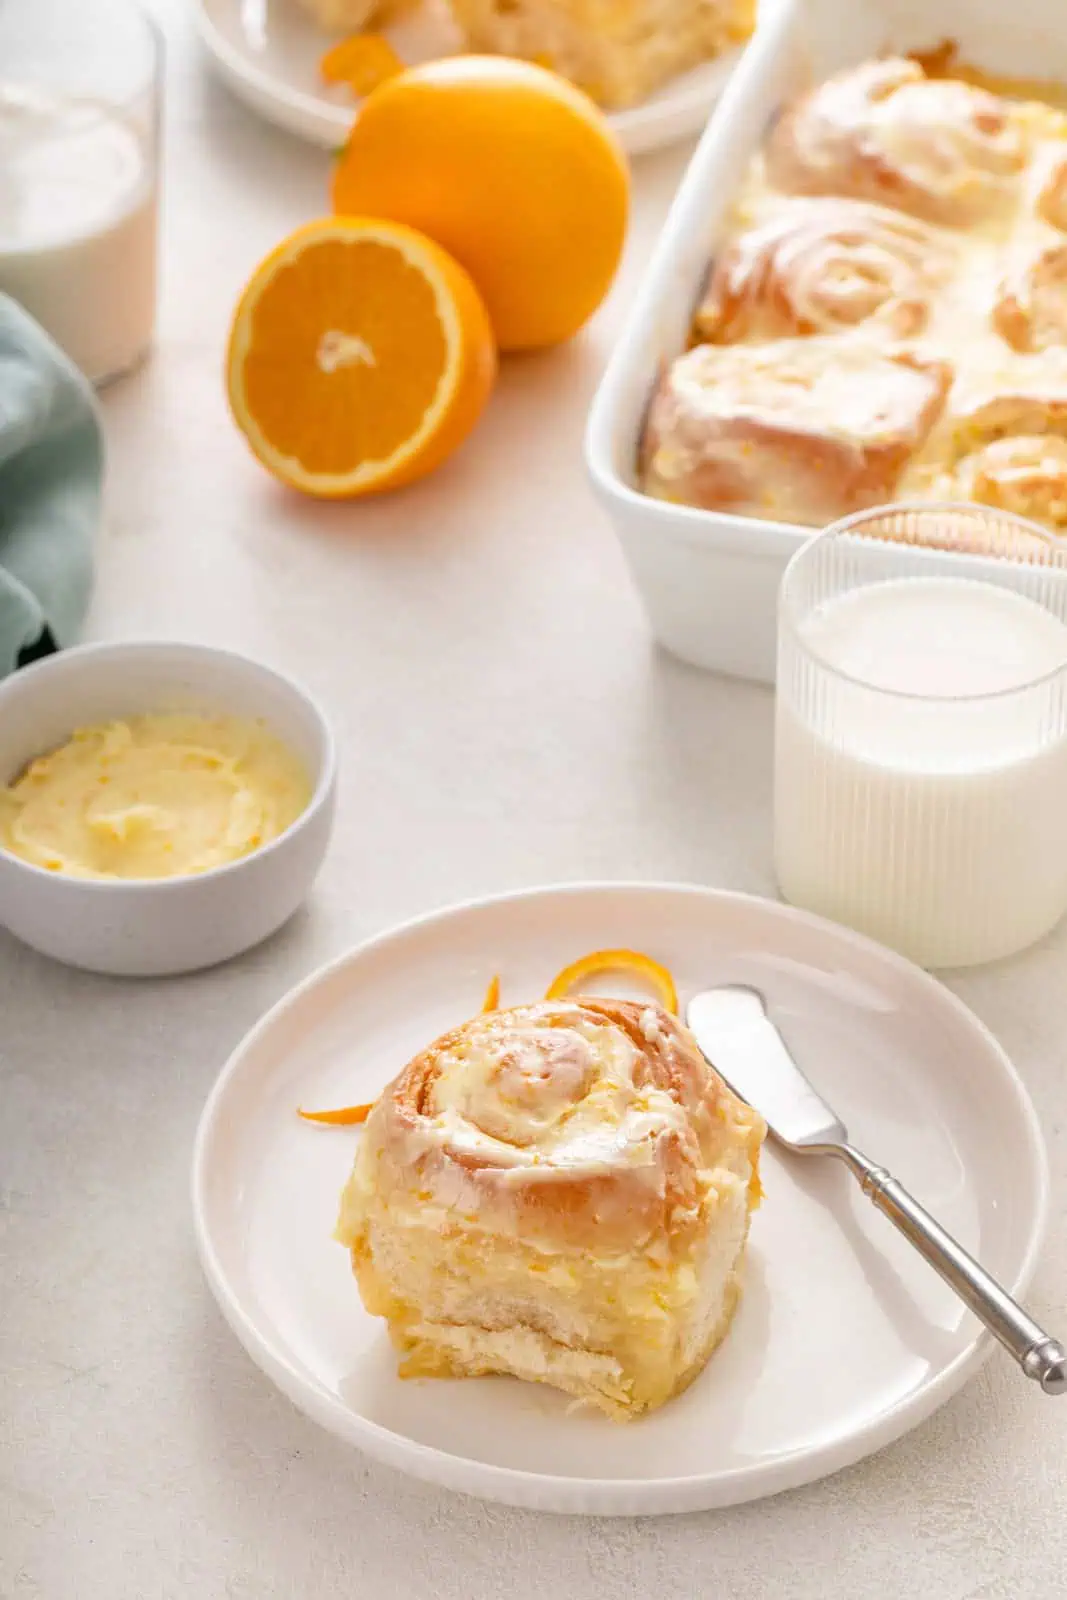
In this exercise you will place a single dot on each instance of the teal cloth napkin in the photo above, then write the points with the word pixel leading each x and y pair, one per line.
pixel 51 476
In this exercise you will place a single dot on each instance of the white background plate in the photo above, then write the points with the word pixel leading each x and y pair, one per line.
pixel 268 52
pixel 844 1339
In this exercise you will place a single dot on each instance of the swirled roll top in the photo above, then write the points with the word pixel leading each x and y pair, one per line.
pixel 884 131
pixel 596 1116
pixel 897 249
pixel 797 430
pixel 825 266
pixel 1030 311
pixel 559 1191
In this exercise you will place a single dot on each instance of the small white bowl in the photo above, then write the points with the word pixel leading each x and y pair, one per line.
pixel 151 927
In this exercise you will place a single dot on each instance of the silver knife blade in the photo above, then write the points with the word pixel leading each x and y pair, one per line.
pixel 736 1035
pixel 732 1028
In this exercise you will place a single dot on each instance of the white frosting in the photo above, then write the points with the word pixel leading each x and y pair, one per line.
pixel 650 1027
pixel 841 388
pixel 828 264
pixel 538 1100
pixel 1013 250
pixel 950 141
pixel 947 137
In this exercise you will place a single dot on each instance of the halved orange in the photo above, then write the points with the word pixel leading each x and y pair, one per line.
pixel 360 357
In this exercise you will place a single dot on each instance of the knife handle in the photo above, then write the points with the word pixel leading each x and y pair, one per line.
pixel 1040 1357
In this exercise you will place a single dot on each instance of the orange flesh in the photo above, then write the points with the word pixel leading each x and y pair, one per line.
pixel 329 420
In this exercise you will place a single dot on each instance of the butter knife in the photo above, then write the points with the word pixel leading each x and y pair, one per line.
pixel 737 1037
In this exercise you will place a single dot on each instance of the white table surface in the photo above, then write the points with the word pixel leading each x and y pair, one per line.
pixel 504 721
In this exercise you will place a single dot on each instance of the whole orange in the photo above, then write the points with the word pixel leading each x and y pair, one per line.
pixel 509 167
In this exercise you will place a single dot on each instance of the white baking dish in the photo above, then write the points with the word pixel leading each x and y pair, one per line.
pixel 709 580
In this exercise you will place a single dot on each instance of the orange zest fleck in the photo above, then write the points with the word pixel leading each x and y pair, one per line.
pixel 342 1117
pixel 492 995
pixel 362 61
pixel 654 973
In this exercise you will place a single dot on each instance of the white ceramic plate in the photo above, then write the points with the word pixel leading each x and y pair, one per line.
pixel 844 1340
pixel 268 52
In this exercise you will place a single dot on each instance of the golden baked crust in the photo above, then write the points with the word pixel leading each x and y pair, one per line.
pixel 1004 441
pixel 1025 475
pixel 797 430
pixel 618 51
pixel 560 1192
pixel 825 266
pixel 1030 310
pixel 938 148
pixel 959 268
pixel 1050 197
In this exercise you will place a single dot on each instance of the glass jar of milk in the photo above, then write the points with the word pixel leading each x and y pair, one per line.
pixel 921 731
pixel 79 149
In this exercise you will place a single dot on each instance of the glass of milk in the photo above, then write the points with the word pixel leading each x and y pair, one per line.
pixel 921 734
pixel 79 162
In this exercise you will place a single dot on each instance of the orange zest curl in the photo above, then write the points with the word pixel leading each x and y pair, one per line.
pixel 653 972
pixel 342 1117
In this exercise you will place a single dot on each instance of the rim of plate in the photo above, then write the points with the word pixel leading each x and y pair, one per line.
pixel 684 109
pixel 240 65
pixel 609 1496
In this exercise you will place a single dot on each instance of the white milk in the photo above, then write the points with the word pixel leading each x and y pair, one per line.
pixel 78 226
pixel 932 819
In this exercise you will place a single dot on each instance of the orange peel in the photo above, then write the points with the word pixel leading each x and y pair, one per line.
pixel 341 1117
pixel 352 1116
pixel 360 357
pixel 655 974
pixel 363 62
pixel 512 170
